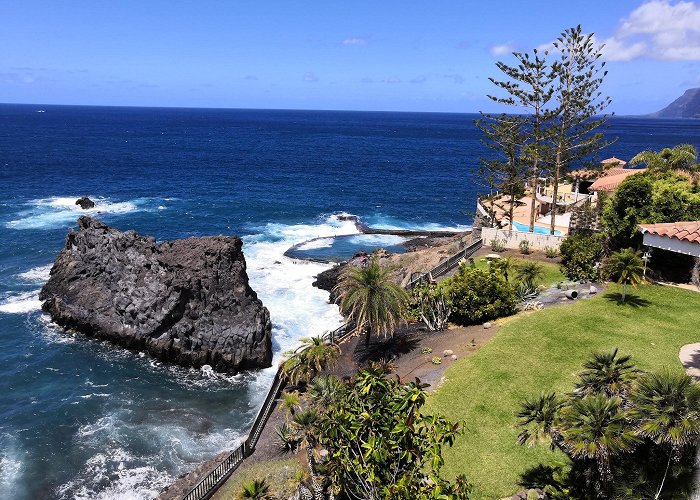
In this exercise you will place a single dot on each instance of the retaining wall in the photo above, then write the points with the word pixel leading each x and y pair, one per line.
pixel 512 239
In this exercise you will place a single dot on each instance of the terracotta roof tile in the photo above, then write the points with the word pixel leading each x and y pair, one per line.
pixel 609 183
pixel 685 231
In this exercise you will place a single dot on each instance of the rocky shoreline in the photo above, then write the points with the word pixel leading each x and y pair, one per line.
pixel 186 302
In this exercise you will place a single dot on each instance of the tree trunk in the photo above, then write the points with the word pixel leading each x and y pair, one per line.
pixel 624 291
pixel 555 191
pixel 369 330
pixel 533 208
pixel 658 493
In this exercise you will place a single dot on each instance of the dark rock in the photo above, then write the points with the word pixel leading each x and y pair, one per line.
pixel 328 279
pixel 185 301
pixel 84 202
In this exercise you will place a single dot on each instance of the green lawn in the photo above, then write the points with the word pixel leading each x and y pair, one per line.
pixel 552 274
pixel 540 351
pixel 279 473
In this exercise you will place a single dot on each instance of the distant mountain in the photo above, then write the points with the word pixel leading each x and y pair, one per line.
pixel 686 106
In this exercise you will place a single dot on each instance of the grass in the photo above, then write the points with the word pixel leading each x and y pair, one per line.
pixel 552 274
pixel 278 473
pixel 543 351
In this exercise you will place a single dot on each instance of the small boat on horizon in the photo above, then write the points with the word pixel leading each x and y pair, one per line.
pixel 40 111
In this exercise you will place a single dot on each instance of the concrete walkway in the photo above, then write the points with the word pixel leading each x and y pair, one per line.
pixel 690 359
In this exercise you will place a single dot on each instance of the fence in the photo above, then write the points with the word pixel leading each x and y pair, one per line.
pixel 512 239
pixel 446 265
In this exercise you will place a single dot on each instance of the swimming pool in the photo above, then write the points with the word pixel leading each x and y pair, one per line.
pixel 524 228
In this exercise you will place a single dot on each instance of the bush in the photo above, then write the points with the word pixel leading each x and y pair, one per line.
pixel 498 245
pixel 581 255
pixel 478 295
pixel 551 252
pixel 524 247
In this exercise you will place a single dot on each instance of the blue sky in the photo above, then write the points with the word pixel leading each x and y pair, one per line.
pixel 389 55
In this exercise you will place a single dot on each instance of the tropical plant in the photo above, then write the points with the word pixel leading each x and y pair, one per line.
pixel 524 246
pixel 551 252
pixel 385 365
pixel 381 444
pixel 433 306
pixel 478 295
pixel 619 428
pixel 290 401
pixel 594 428
pixel 607 374
pixel 530 272
pixel 287 439
pixel 498 245
pixel 305 426
pixel 682 157
pixel 257 489
pixel 626 267
pixel 666 409
pixel 369 297
pixel 324 389
pixel 525 291
pixel 504 265
pixel 314 355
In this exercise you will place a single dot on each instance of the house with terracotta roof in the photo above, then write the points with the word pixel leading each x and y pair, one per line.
pixel 612 178
pixel 677 237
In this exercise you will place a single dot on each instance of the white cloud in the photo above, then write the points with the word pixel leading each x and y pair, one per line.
pixel 355 40
pixel 310 76
pixel 659 29
pixel 500 50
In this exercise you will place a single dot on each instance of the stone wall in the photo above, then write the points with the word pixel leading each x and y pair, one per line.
pixel 512 239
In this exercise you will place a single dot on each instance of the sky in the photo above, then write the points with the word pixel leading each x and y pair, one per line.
pixel 406 55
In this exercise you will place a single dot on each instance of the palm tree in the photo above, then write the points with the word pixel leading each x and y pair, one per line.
pixel 290 401
pixel 314 355
pixel 255 490
pixel 304 423
pixel 325 389
pixel 593 429
pixel 504 265
pixel 370 298
pixel 682 157
pixel 530 272
pixel 538 420
pixel 607 374
pixel 667 411
pixel 626 268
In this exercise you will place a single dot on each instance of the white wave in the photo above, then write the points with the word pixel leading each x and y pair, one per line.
pixel 317 243
pixel 297 309
pixel 20 303
pixel 387 222
pixel 38 274
pixel 11 466
pixel 46 213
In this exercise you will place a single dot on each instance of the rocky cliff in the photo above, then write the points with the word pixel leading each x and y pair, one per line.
pixel 185 301
pixel 686 106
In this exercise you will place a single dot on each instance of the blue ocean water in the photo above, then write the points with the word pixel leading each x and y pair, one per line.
pixel 83 419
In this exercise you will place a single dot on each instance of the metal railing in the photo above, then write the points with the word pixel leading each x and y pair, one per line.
pixel 205 488
pixel 446 265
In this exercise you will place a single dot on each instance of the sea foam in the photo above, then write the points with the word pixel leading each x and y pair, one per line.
pixel 20 303
pixel 59 211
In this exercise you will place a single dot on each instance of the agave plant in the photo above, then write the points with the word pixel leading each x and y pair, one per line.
pixel 257 489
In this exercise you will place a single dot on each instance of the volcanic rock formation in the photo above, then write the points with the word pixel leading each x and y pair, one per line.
pixel 185 301
pixel 85 203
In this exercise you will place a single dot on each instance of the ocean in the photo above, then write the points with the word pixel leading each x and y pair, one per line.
pixel 83 419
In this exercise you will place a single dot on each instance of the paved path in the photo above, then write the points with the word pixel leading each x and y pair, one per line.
pixel 690 359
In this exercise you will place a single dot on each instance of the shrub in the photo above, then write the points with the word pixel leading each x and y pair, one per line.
pixel 436 360
pixel 478 295
pixel 524 247
pixel 426 350
pixel 551 252
pixel 581 255
pixel 498 245
pixel 533 305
